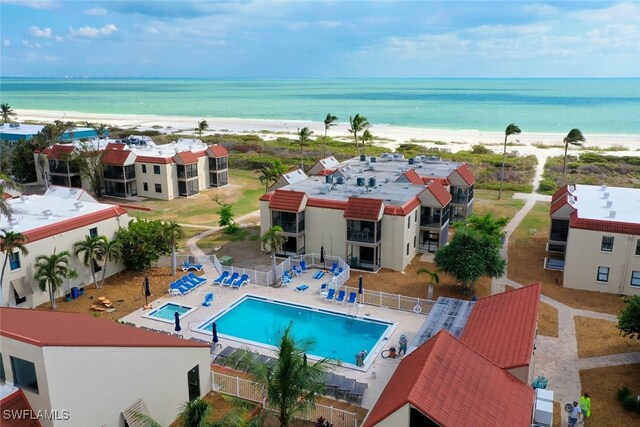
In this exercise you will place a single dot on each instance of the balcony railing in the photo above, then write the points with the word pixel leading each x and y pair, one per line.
pixel 120 175
pixel 431 222
pixel 558 237
pixel 364 236
pixel 287 226
pixel 188 175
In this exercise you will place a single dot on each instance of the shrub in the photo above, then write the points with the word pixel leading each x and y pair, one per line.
pixel 623 392
pixel 630 403
pixel 548 186
pixel 480 149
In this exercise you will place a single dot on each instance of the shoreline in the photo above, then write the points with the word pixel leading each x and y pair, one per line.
pixel 391 136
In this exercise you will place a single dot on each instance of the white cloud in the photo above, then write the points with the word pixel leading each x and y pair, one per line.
pixel 96 11
pixel 38 4
pixel 152 30
pixel 6 43
pixel 27 43
pixel 37 32
pixel 35 57
pixel 59 38
pixel 93 32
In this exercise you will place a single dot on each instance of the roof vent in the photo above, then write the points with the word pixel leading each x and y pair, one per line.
pixel 48 213
pixel 603 187
pixel 612 214
pixel 78 205
pixel 605 195
pixel 609 203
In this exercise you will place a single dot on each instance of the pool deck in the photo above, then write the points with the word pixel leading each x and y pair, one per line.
pixel 376 376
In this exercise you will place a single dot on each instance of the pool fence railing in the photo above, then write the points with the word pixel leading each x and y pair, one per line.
pixel 393 301
pixel 248 390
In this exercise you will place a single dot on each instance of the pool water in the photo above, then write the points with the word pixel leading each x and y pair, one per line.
pixel 336 336
pixel 167 311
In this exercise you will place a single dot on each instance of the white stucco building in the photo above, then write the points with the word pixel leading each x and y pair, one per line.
pixel 55 221
pixel 96 372
pixel 594 238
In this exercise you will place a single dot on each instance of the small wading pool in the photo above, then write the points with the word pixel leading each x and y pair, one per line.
pixel 166 312
pixel 258 321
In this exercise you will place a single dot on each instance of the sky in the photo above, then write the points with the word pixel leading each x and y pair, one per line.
pixel 260 39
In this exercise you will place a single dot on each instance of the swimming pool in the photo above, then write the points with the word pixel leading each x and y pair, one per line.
pixel 166 312
pixel 256 320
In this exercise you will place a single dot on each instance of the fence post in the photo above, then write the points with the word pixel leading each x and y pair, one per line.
pixel 380 305
pixel 331 414
pixel 237 387
pixel 398 301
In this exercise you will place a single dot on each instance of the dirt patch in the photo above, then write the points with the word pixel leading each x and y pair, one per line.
pixel 125 290
pixel 526 260
pixel 409 283
pixel 597 337
pixel 547 318
pixel 244 246
pixel 602 384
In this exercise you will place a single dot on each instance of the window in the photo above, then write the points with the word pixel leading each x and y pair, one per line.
pixel 603 274
pixel 638 247
pixel 635 278
pixel 24 374
pixel 2 375
pixel 156 169
pixel 19 299
pixel 607 244
pixel 14 261
pixel 415 217
pixel 414 241
pixel 145 186
pixel 408 223
pixel 144 168
pixel 93 232
pixel 407 249
pixel 158 188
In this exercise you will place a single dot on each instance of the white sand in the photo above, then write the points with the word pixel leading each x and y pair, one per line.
pixel 392 135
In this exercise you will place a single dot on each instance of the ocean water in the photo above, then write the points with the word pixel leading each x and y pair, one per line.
pixel 596 106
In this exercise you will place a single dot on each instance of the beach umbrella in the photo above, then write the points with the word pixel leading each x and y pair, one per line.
pixel 322 254
pixel 214 331
pixel 360 289
pixel 147 290
pixel 177 317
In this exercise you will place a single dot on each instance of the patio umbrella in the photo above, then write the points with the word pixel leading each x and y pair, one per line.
pixel 147 290
pixel 360 288
pixel 322 254
pixel 177 317
pixel 214 331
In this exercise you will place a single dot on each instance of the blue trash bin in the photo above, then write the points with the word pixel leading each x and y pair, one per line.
pixel 75 292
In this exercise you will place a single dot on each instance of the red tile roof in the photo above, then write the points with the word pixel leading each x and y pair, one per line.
pixel 604 226
pixel 218 150
pixel 73 223
pixel 325 172
pixel 186 157
pixel 79 330
pixel 502 327
pixel 116 157
pixel 156 160
pixel 428 179
pixel 327 203
pixel 559 203
pixel 465 173
pixel 17 403
pixel 364 209
pixel 114 146
pixel 404 209
pixel 454 386
pixel 59 152
pixel 266 196
pixel 561 192
pixel 439 192
pixel 413 177
pixel 288 201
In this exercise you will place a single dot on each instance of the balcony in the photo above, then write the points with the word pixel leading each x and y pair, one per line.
pixel 290 222
pixel 555 264
pixel 119 174
pixel 557 248
pixel 430 221
pixel 363 236
pixel 187 175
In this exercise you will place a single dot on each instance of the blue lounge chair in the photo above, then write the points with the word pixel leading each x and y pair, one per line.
pixel 181 282
pixel 303 266
pixel 195 278
pixel 231 279
pixel 286 278
pixel 318 274
pixel 221 278
pixel 334 267
pixel 331 294
pixel 187 280
pixel 302 288
pixel 323 288
pixel 188 266
pixel 338 271
pixel 340 297
pixel 208 299
pixel 179 287
pixel 296 270
pixel 244 279
pixel 352 298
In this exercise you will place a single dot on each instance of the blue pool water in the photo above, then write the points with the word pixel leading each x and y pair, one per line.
pixel 167 311
pixel 335 336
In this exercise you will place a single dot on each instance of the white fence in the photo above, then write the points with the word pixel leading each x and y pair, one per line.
pixel 249 390
pixel 395 301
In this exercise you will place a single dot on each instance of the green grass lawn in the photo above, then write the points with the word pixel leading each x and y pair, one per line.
pixel 220 238
pixel 536 223
pixel 243 192
pixel 485 201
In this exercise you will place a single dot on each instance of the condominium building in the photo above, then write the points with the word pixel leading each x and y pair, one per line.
pixel 84 371
pixel 54 222
pixel 373 212
pixel 180 169
pixel 594 238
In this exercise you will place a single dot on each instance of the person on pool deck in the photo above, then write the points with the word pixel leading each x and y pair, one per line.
pixel 360 357
pixel 402 345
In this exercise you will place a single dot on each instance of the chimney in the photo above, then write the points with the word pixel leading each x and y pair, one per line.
pixel 612 214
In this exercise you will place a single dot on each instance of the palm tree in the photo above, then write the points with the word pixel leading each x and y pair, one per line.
pixel 328 122
pixel 274 239
pixel 510 130
pixel 10 241
pixel 6 183
pixel 72 275
pixel 7 112
pixel 366 137
pixel 358 124
pixel 195 413
pixel 267 177
pixel 174 232
pixel 51 271
pixel 574 137
pixel 292 384
pixel 101 129
pixel 112 252
pixel 203 125
pixel 303 136
pixel 93 249
pixel 434 279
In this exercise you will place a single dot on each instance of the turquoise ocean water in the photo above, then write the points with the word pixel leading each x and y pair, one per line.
pixel 596 106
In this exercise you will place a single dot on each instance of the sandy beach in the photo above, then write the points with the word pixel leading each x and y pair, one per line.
pixel 391 136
